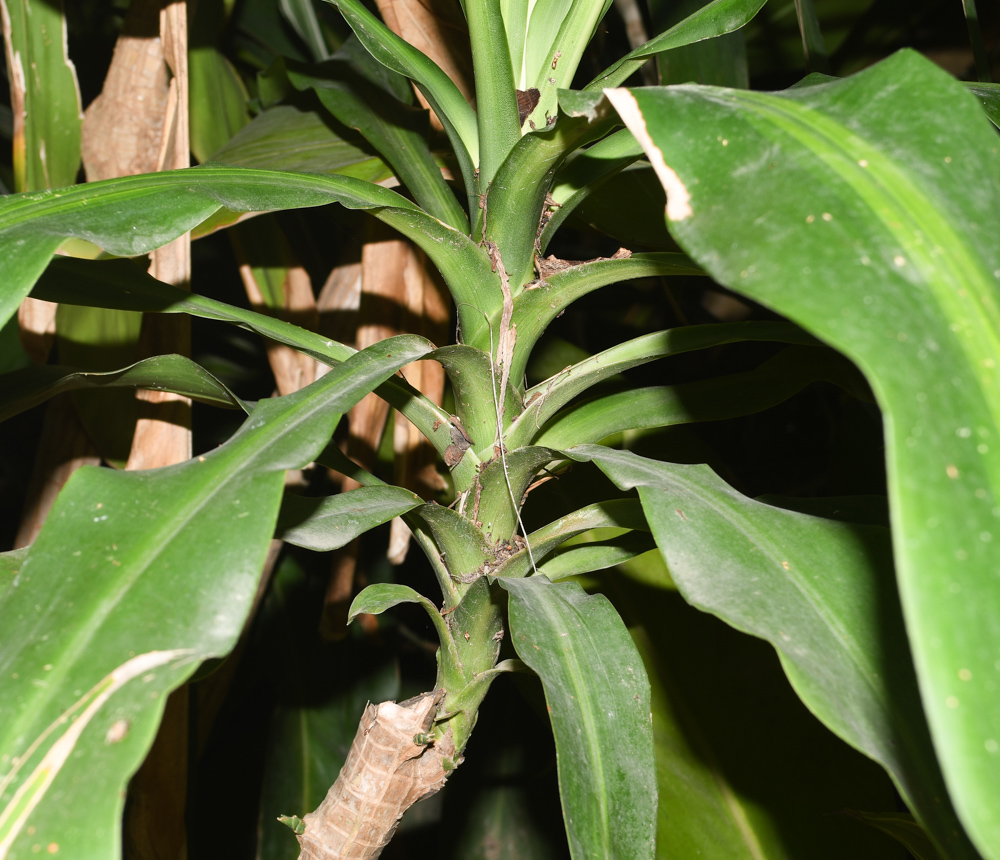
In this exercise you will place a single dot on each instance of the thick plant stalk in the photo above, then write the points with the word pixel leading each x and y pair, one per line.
pixel 386 772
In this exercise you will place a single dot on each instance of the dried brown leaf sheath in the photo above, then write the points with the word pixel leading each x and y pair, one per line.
pixel 384 775
pixel 527 101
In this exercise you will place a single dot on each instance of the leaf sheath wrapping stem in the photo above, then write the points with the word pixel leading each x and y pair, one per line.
pixel 384 775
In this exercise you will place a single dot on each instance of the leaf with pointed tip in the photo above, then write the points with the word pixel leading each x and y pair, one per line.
pixel 715 19
pixel 445 99
pixel 26 388
pixel 821 592
pixel 327 523
pixel 135 214
pixel 547 398
pixel 164 563
pixel 772 383
pixel 863 209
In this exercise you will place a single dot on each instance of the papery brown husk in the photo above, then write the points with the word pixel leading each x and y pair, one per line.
pixel 384 775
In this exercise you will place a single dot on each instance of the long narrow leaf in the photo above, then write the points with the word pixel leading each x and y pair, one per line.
pixel 598 698
pixel 864 209
pixel 821 592
pixel 718 17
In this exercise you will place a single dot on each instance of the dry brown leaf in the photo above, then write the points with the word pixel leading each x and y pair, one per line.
pixel 386 772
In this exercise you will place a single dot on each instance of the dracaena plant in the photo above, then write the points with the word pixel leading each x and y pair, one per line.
pixel 863 210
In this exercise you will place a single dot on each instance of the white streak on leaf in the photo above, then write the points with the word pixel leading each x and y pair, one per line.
pixel 678 199
pixel 14 816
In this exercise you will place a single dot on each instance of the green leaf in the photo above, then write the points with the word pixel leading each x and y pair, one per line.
pixel 616 513
pixel 772 383
pixel 718 17
pixel 445 99
pixel 496 101
pixel 547 398
pixel 323 524
pixel 535 308
pixel 26 388
pixel 377 598
pixel 120 284
pixel 730 770
pixel 136 578
pixel 863 210
pixel 302 16
pixel 989 98
pixel 598 699
pixel 599 555
pixel 47 127
pixel 721 61
pixel 135 214
pixel 285 137
pixel 821 592
pixel 348 88
pixel 218 101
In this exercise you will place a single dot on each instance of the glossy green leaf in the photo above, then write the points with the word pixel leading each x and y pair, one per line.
pixel 135 579
pixel 599 555
pixel 285 137
pixel 772 383
pixel 218 101
pixel 121 218
pixel 445 99
pixel 733 789
pixel 989 98
pixel 302 16
pixel 120 284
pixel 47 130
pixel 718 17
pixel 721 61
pixel 331 522
pixel 863 209
pixel 377 598
pixel 26 388
pixel 547 398
pixel 821 592
pixel 348 88
pixel 598 699
pixel 615 513
pixel 535 308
